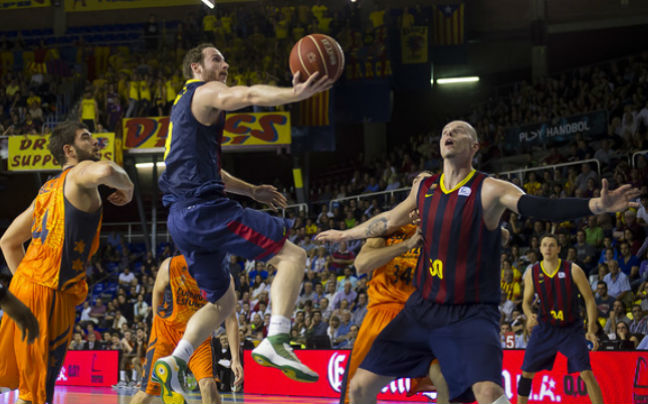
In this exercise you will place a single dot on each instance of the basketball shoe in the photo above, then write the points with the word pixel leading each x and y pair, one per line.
pixel 274 351
pixel 169 372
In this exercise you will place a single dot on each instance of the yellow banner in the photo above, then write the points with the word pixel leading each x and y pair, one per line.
pixel 12 4
pixel 414 45
pixel 241 129
pixel 100 5
pixel 30 153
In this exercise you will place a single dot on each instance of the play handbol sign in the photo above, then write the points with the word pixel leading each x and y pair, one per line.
pixel 30 153
pixel 561 130
pixel 241 129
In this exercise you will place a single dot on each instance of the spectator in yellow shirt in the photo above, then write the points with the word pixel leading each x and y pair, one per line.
pixel 89 111
pixel 532 186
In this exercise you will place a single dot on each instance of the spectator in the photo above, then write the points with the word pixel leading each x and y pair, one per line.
pixel 341 258
pixel 141 309
pixel 347 294
pixel 85 313
pixel 617 314
pixel 510 288
pixel 360 309
pixel 586 174
pixel 639 323
pixel 92 344
pixel 623 341
pixel 603 300
pixel 593 232
pixel 317 333
pixel 126 277
pixel 98 311
pixel 585 253
pixel 307 294
pixel 617 281
pixel 628 263
pixel 77 343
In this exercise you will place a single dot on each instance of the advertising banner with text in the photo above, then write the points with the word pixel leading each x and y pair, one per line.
pixel 623 377
pixel 89 368
pixel 241 129
pixel 30 153
pixel 13 4
pixel 590 125
pixel 100 5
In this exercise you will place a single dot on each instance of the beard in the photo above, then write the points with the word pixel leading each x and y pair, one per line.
pixel 83 155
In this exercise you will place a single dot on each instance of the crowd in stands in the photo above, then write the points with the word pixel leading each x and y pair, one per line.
pixel 49 80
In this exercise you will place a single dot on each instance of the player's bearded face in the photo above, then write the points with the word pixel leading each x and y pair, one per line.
pixel 86 147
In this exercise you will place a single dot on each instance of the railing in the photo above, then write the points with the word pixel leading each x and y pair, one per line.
pixel 368 195
pixel 132 231
pixel 302 207
pixel 552 167
pixel 634 155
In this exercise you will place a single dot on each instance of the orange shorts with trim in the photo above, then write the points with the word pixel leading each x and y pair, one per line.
pixel 162 342
pixel 33 369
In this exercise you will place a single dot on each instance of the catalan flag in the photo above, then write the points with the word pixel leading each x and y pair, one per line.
pixel 315 111
pixel 449 24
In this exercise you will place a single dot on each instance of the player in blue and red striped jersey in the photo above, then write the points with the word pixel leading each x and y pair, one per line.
pixel 452 315
pixel 560 327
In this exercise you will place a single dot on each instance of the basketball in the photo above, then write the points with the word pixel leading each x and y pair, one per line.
pixel 317 53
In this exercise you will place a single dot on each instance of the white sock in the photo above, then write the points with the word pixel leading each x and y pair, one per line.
pixel 502 400
pixel 278 325
pixel 122 375
pixel 183 350
pixel 134 375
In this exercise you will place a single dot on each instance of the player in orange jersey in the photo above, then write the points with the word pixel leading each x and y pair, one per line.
pixel 176 296
pixel 24 318
pixel 392 260
pixel 63 224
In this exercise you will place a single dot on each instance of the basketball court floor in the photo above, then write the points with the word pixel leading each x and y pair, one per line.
pixel 106 395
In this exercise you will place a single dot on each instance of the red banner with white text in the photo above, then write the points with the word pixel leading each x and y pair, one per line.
pixel 89 368
pixel 623 377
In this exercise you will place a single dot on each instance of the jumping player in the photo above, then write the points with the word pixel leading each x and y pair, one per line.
pixel 452 315
pixel 560 326
pixel 63 223
pixel 176 297
pixel 205 224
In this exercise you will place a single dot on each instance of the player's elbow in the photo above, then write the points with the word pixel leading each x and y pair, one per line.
pixel 361 264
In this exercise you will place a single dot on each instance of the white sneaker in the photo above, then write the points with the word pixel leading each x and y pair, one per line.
pixel 169 372
pixel 274 351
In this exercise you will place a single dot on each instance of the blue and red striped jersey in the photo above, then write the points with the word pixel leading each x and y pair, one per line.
pixel 558 294
pixel 460 257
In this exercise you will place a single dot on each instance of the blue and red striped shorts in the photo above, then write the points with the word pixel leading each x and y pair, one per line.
pixel 206 231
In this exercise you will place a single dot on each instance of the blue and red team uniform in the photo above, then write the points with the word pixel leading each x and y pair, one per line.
pixel 204 224
pixel 560 325
pixel 452 315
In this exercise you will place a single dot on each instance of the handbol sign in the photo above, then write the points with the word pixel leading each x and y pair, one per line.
pixel 241 129
pixel 30 153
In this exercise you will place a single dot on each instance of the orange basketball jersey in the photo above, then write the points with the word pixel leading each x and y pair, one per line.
pixel 64 239
pixel 182 297
pixel 392 283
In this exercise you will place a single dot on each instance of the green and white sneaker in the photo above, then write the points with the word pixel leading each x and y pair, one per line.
pixel 170 373
pixel 275 352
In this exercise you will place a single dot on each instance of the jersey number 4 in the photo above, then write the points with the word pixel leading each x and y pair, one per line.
pixel 42 232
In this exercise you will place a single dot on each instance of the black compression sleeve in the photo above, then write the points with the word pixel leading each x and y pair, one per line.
pixel 553 209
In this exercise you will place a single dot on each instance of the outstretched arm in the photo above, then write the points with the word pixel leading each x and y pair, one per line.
pixel 218 95
pixel 508 196
pixel 590 304
pixel 14 238
pixel 375 254
pixel 381 224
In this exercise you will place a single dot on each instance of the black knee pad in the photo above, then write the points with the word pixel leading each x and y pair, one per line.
pixel 524 386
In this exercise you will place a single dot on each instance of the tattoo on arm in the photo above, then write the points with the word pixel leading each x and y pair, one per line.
pixel 376 228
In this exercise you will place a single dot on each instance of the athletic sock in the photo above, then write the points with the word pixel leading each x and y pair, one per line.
pixel 278 325
pixel 502 400
pixel 122 375
pixel 183 350
pixel 134 375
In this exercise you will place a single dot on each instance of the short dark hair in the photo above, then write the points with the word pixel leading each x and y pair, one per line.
pixel 550 235
pixel 63 134
pixel 194 55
